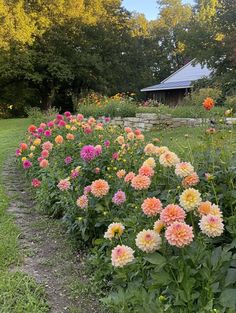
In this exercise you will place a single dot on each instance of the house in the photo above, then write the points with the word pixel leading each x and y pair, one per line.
pixel 172 90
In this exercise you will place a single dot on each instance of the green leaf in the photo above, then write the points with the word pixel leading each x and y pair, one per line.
pixel 161 278
pixel 156 258
pixel 230 277
pixel 228 298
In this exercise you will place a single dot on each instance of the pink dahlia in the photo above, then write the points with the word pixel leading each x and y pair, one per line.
pixel 36 183
pixel 179 234
pixel 68 160
pixel 47 133
pixel 129 177
pixel 47 146
pixel 211 225
pixel 172 213
pixel 151 206
pixel 27 164
pixel 119 197
pixel 88 153
pixel 82 202
pixel 64 184
pixel 141 182
pixel 122 255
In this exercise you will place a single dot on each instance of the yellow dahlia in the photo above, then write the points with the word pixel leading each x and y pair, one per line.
pixel 183 169
pixel 161 150
pixel 190 199
pixel 114 229
pixel 168 159
pixel 150 162
pixel 158 226
pixel 148 241
pixel 149 149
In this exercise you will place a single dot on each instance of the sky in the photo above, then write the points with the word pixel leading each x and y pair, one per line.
pixel 148 7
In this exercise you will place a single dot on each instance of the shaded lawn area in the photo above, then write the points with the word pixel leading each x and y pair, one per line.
pixel 18 292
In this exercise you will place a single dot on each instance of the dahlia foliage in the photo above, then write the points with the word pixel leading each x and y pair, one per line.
pixel 109 182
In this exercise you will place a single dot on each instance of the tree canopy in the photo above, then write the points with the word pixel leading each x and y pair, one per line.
pixel 52 50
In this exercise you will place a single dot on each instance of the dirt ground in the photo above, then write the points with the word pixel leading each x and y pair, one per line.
pixel 48 255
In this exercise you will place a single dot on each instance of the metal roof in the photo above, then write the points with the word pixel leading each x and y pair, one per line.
pixel 170 85
pixel 182 78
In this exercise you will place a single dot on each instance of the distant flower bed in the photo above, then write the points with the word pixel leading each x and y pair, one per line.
pixel 138 201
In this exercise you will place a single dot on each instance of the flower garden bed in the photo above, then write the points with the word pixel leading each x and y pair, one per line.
pixel 150 219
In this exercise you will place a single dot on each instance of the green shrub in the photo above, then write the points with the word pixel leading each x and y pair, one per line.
pixel 184 111
pixel 197 97
pixel 36 115
pixel 112 109
pixel 230 102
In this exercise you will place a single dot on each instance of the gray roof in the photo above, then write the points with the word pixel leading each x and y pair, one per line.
pixel 182 78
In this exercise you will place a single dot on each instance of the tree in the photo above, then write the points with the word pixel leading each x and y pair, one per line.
pixel 212 31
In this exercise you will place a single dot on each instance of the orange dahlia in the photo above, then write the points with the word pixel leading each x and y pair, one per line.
pixel 190 180
pixel 140 182
pixel 146 171
pixel 99 188
pixel 151 206
pixel 208 103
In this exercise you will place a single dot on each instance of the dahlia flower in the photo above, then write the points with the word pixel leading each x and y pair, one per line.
pixel 204 208
pixel 45 154
pixel 88 153
pixel 99 188
pixel 47 133
pixel 208 103
pixel 59 140
pixel 37 142
pixel 64 184
pixel 32 128
pixel 47 146
pixel 70 137
pixel 27 164
pixel 120 140
pixel 148 241
pixel 68 160
pixel 146 171
pixel 119 197
pixel 151 206
pixel 141 182
pixel 190 199
pixel 190 180
pixel 150 162
pixel 172 213
pixel 183 169
pixel 122 255
pixel 121 173
pixel 82 202
pixel 168 159
pixel 179 234
pixel 160 150
pixel 129 177
pixel 211 225
pixel 36 183
pixel 149 149
pixel 114 229
pixel 44 163
pixel 158 226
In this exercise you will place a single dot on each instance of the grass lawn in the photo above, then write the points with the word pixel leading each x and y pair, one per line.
pixel 18 292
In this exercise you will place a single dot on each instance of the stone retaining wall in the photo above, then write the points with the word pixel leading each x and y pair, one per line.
pixel 149 121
